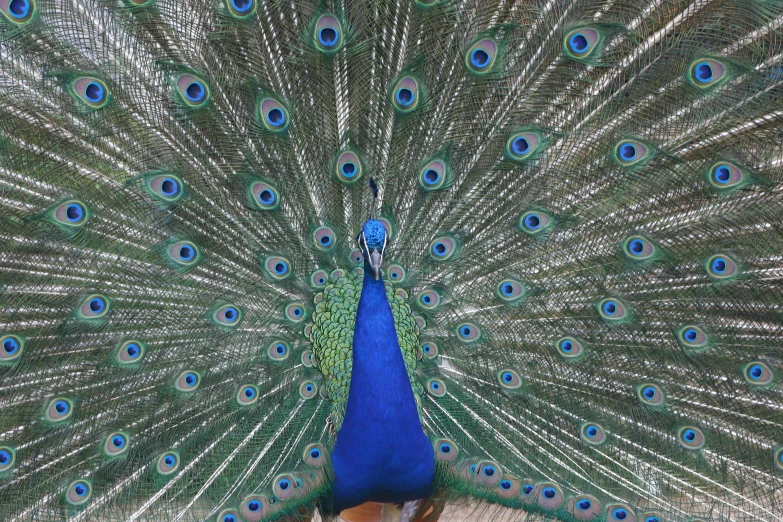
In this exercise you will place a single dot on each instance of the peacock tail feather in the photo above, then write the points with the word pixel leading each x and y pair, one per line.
pixel 579 205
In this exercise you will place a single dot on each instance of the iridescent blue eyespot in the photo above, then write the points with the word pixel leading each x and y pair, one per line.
pixel 79 492
pixel 436 387
pixel 758 374
pixel 406 94
pixel 7 458
pixel 188 381
pixel 241 8
pixel 509 379
pixel 315 455
pixel 227 316
pixel 481 56
pixel 328 34
pixel 650 394
pixel 18 12
pixel 691 437
pixel 11 347
pixel 592 433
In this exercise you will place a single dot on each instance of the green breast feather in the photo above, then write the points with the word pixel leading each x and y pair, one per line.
pixel 332 335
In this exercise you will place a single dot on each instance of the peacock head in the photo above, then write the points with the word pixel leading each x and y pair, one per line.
pixel 372 242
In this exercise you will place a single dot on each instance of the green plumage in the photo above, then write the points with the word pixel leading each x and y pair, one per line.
pixel 584 263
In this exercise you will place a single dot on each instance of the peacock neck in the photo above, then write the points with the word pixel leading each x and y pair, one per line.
pixel 381 453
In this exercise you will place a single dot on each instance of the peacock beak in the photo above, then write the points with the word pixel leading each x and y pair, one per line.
pixel 375 261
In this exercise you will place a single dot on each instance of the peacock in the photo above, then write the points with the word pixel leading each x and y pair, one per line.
pixel 278 260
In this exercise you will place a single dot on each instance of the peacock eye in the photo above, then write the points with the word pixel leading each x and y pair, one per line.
pixel 428 299
pixel 613 310
pixel 91 92
pixel 692 337
pixel 168 463
pixel 192 90
pixel 509 379
pixel 72 214
pixel 405 95
pixel 638 248
pixel 446 450
pixel 328 34
pixel 324 238
pixel 228 516
pixel 247 395
pixel 510 290
pixel 294 312
pixel 227 315
pixel 396 273
pixel 708 72
pixel 481 56
pixel 7 458
pixel 434 175
pixel 278 350
pixel 188 381
pixel 319 278
pixel 523 145
pixel 11 347
pixel 308 390
pixel 307 358
pixel 349 167
pixel 79 492
pixel 619 513
pixel 721 267
pixel 59 409
pixel 468 332
pixel 241 8
pixel 550 496
pixel 18 12
pixel 569 348
pixel 691 437
pixel 587 507
pixel 284 486
pixel 443 248
pixel 429 349
pixel 631 152
pixel 315 455
pixel 650 394
pixel 273 115
pixel 436 387
pixel 592 433
pixel 254 508
pixel 116 444
pixel 580 42
pixel 164 187
pixel 277 268
pixel 263 196
pixel 93 307
pixel 130 352
pixel 534 222
pixel 758 374
pixel 183 253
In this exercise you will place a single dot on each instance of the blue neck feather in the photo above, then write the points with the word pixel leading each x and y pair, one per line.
pixel 381 453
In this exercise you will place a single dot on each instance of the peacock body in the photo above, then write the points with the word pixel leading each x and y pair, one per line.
pixel 262 258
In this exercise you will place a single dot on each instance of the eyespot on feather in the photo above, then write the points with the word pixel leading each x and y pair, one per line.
pixel 7 459
pixel 708 72
pixel 428 299
pixel 90 91
pixel 319 278
pixel 758 373
pixel 779 458
pixel 523 145
pixel 229 515
pixel 508 486
pixel 254 508
pixel 584 507
pixel 11 348
pixel 263 195
pixel 294 312
pixel 188 381
pixel 277 267
pixel 445 450
pixel 79 492
pixel 509 379
pixel 569 348
pixel 550 496
pixel 510 290
pixel 59 409
pixel 581 42
pixel 93 307
pixel 130 352
pixel 534 222
pixel 592 433
pixel 71 214
pixel 278 350
pixel 650 394
pixel 308 390
pixel 435 175
pixel 184 254
pixel 328 35
pixel 247 395
pixel 468 332
pixel 307 358
pixel 241 9
pixel 652 517
pixel 168 463
pixel 620 513
pixel 692 337
pixel 116 444
pixel 480 57
pixel 324 238
pixel 443 248
pixel 436 387
pixel 228 316
pixel 315 455
pixel 348 167
pixel 168 188
pixel 722 267
pixel 727 177
pixel 691 437
pixel 273 115
pixel 192 90
pixel 613 310
pixel 396 273
pixel 638 248
pixel 406 94
pixel 429 349
pixel 19 12
pixel 631 152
